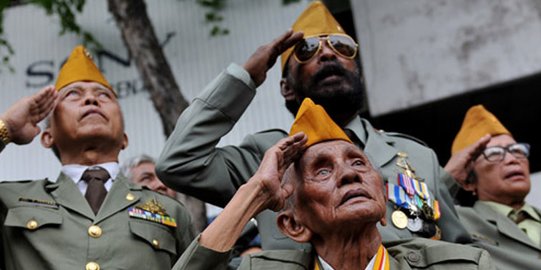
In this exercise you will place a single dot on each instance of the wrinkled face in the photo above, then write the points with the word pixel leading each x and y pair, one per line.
pixel 505 181
pixel 87 110
pixel 329 79
pixel 144 175
pixel 339 187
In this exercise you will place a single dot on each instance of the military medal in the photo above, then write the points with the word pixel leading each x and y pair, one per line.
pixel 415 224
pixel 153 211
pixel 399 219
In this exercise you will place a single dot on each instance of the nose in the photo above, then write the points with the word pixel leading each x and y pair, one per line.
pixel 348 175
pixel 326 53
pixel 90 99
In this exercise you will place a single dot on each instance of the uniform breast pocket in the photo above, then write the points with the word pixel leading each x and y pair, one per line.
pixel 32 218
pixel 156 235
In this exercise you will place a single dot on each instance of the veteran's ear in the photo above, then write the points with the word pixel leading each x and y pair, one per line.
pixel 293 228
pixel 124 141
pixel 47 139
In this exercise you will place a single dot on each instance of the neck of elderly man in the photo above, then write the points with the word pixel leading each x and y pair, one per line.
pixel 86 126
pixel 337 213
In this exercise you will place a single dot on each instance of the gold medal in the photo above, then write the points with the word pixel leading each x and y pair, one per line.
pixel 399 219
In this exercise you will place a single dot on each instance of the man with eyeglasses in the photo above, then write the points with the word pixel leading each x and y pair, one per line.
pixel 319 63
pixel 499 221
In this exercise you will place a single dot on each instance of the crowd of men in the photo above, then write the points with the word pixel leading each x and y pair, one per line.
pixel 332 193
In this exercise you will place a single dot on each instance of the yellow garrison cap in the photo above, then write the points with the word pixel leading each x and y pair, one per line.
pixel 315 20
pixel 477 123
pixel 314 121
pixel 80 67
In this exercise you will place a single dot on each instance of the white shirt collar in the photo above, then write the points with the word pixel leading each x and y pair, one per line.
pixel 75 172
pixel 327 266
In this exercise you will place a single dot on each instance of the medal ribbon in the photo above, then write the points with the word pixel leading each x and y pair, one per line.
pixel 382 259
pixel 405 182
pixel 397 195
pixel 420 188
pixel 381 262
pixel 436 208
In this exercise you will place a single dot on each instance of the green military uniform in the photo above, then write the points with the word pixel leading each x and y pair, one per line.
pixel 49 225
pixel 501 237
pixel 191 162
pixel 405 254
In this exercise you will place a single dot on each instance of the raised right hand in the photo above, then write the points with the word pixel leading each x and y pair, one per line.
pixel 265 56
pixel 23 116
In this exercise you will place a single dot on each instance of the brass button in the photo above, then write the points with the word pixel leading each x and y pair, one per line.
pixel 32 224
pixel 94 231
pixel 130 197
pixel 92 266
pixel 155 243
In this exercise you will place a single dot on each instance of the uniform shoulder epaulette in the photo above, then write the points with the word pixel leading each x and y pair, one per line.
pixel 402 135
pixel 21 181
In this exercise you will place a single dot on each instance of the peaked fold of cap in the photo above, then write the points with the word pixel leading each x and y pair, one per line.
pixel 80 67
pixel 318 126
pixel 315 20
pixel 478 122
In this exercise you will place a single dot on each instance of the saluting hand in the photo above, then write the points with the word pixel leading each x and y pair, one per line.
pixel 23 116
pixel 273 166
pixel 265 56
pixel 461 163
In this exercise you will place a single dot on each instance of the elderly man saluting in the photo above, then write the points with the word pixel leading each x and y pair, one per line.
pixel 500 221
pixel 90 217
pixel 331 197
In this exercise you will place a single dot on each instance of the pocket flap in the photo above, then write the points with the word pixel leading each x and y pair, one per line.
pixel 32 217
pixel 157 236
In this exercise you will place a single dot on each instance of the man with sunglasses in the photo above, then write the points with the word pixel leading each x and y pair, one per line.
pixel 322 66
pixel 499 221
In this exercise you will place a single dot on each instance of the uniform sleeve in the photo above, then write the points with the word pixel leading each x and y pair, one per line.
pixel 190 162
pixel 449 223
pixel 197 257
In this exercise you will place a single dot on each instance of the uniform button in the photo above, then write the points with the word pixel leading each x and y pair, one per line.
pixel 32 224
pixel 92 266
pixel 130 197
pixel 155 243
pixel 413 257
pixel 94 231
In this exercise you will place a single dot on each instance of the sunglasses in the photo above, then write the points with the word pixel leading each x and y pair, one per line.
pixel 342 45
pixel 497 153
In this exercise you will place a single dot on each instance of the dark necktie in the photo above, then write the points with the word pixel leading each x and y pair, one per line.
pixel 518 217
pixel 95 177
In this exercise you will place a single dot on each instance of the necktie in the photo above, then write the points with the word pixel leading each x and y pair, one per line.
pixel 95 177
pixel 518 217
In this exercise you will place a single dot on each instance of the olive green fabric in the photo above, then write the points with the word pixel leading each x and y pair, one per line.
pixel 60 239
pixel 406 254
pixel 191 162
pixel 508 245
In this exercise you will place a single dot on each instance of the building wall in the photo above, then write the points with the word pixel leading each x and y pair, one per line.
pixel 416 52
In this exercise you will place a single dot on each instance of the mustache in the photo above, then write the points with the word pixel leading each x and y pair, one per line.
pixel 329 70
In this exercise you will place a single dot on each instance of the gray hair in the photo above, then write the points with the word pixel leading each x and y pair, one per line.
pixel 134 162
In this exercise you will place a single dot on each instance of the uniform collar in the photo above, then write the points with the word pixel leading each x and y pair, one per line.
pixel 75 171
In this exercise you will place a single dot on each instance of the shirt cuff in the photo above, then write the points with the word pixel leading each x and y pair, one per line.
pixel 241 74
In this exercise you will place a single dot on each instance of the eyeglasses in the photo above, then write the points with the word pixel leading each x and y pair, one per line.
pixel 343 45
pixel 497 153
